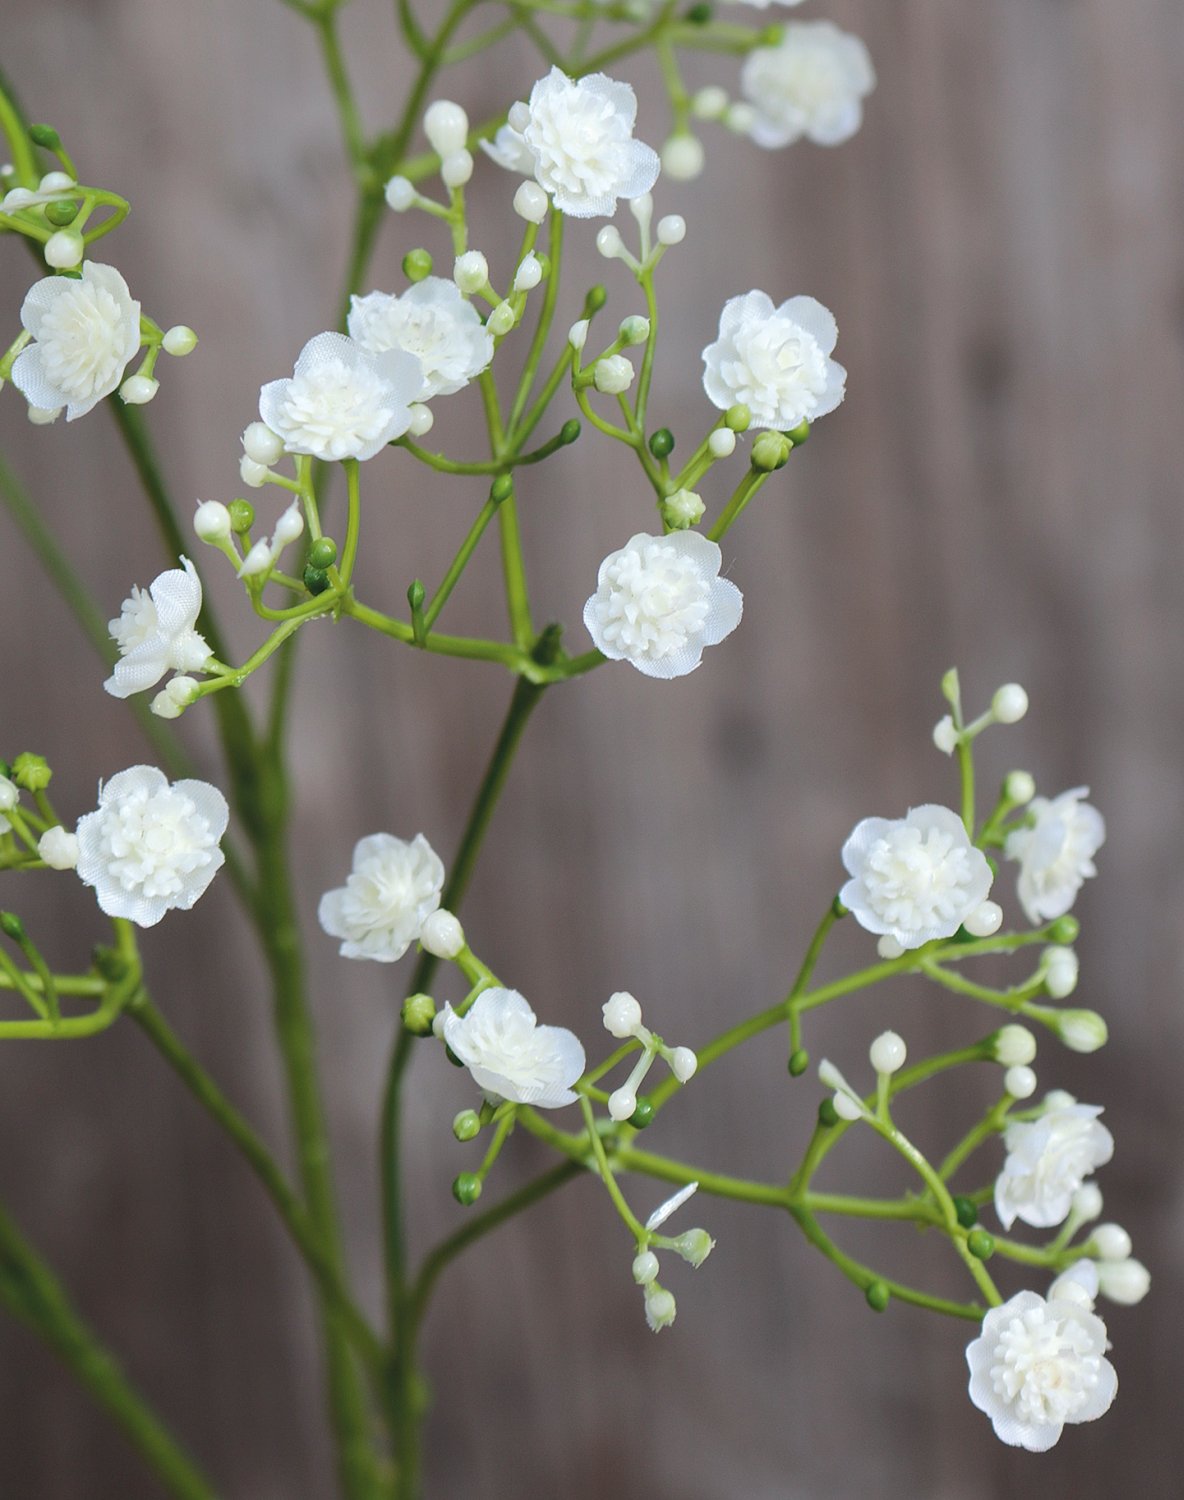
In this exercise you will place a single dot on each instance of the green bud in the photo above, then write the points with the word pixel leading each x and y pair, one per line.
pixel 828 1116
pixel 416 595
pixel 418 1013
pixel 32 772
pixel 467 1189
pixel 242 516
pixel 467 1125
pixel 980 1244
pixel 662 443
pixel 12 926
pixel 417 264
pixel 323 553
pixel 738 418
pixel 798 435
pixel 878 1296
pixel 570 431
pixel 840 911
pixel 595 300
pixel 694 1246
pixel 799 1061
pixel 45 135
pixel 316 580
pixel 1065 931
pixel 452 1057
pixel 770 452
pixel 643 1114
pixel 966 1211
pixel 683 509
pixel 501 489
pixel 61 213
pixel 951 689
pixel 698 15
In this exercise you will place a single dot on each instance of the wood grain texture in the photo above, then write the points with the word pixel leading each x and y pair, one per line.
pixel 1003 245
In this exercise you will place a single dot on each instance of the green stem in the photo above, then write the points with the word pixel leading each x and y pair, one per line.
pixel 347 108
pixel 20 147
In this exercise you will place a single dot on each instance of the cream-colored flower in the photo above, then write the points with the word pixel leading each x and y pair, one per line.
pixel 85 330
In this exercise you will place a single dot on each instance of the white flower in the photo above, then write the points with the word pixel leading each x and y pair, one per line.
pixel 1038 1365
pixel 812 84
pixel 391 891
pixel 85 330
pixel 431 320
pixel 510 1055
pixel 1047 1161
pixel 151 846
pixel 775 361
pixel 155 632
pixel 659 601
pixel 1056 854
pixel 342 401
pixel 576 139
pixel 915 878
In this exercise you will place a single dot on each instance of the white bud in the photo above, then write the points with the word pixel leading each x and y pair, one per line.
pixel 682 157
pixel 519 116
pixel 422 420
pixel 682 509
pixel 179 341
pixel 1020 1082
pixel 659 1307
pixel 1111 1241
pixel 846 1107
pixel 621 1104
pixel 164 707
pixel 709 103
pixel 400 194
pixel 622 1015
pixel 888 948
pixel 253 475
pixel 1082 1030
pixel 64 250
pixel 1124 1281
pixel 528 274
pixel 888 1053
pixel 1060 968
pixel 138 390
pixel 683 1064
pixel 471 272
pixel 442 934
pixel 577 334
pixel 722 443
pixel 1058 1099
pixel 672 230
pixel 289 526
pixel 9 794
pixel 211 521
pixel 456 168
pixel 612 375
pixel 182 689
pixel 446 126
pixel 634 330
pixel 740 117
pixel 1019 787
pixel 642 209
pixel 694 1245
pixel 55 182
pixel 945 736
pixel 43 416
pixel 1071 1288
pixel 261 445
pixel 58 848
pixel 609 242
pixel 531 203
pixel 1086 1204
pixel 258 559
pixel 500 320
pixel 984 920
pixel 1015 1046
pixel 645 1268
pixel 1010 704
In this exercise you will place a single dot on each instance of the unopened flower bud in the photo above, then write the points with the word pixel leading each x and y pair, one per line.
pixel 888 1053
pixel 846 1108
pixel 945 735
pixel 466 1189
pixel 1015 1046
pixel 694 1246
pixel 1076 1285
pixel 722 443
pixel 179 341
pixel 422 420
pixel 740 117
pixel 471 272
pixel 400 194
pixel 9 795
pixel 242 516
pixel 58 848
pixel 54 182
pixel 645 1267
pixel 1060 968
pixel 888 948
pixel 182 689
pixel 64 250
pixel 138 390
pixel 164 707
pixel 1111 1242
pixel 418 1015
pixel 609 242
pixel 446 126
pixel 672 230
pixel 466 1126
pixel 500 320
pixel 577 334
pixel 770 451
pixel 621 1104
pixel 682 157
pixel 1019 787
pixel 622 1015
pixel 456 168
pixel 253 475
pixel 31 771
pixel 1124 1281
pixel 528 274
pixel 261 445
pixel 43 416
pixel 289 526
pixel 660 1307
pixel 531 203
pixel 682 509
pixel 634 330
pixel 1010 704
pixel 709 103
pixel 1086 1203
pixel 442 935
pixel 1082 1030
pixel 1020 1082
pixel 683 1063
pixel 258 559
pixel 612 375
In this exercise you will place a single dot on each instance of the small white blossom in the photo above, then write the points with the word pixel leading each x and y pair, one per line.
pixel 342 401
pixel 156 633
pixel 775 360
pixel 392 889
pixel 510 1055
pixel 914 878
pixel 431 320
pixel 1047 1161
pixel 85 331
pixel 576 139
pixel 1038 1365
pixel 1056 854
pixel 811 84
pixel 660 600
pixel 58 847
pixel 151 846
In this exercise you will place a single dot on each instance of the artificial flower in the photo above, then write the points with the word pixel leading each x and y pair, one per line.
pixel 510 1055
pixel 431 320
pixel 155 632
pixel 1047 1161
pixel 775 360
pixel 811 84
pixel 85 330
pixel 392 889
pixel 1056 853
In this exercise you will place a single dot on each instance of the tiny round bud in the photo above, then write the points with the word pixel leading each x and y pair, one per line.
pixel 642 209
pixel 945 735
pixel 846 1108
pixel 683 1064
pixel 1111 1241
pixel 770 452
pixel 1061 969
pixel 138 390
pixel 456 168
pixel 672 229
pixel 528 274
pixel 64 250
pixel 980 1244
pixel 738 418
pixel 609 242
pixel 519 116
pixel 58 848
pixel 966 1211
pixel 45 135
pixel 661 442
pixel 643 1115
pixel 261 445
pixel 634 330
pixel 1020 1082
pixel 252 474
pixel 1019 787
pixel 1086 1203
pixel 62 212
pixel 694 1245
pixel 471 272
pixel 570 431
pixel 722 443
pixel 446 126
pixel 501 489
pixel 659 1307
pixel 400 194
pixel 888 1053
pixel 798 435
pixel 12 926
pixel 323 552
pixel 595 300
pixel 242 516
pixel 709 103
pixel 422 420
pixel 467 1125
pixel 984 920
pixel 878 1296
pixel 1064 930
pixel 682 158
pixel 531 203
pixel 9 795
pixel 1069 1288
pixel 621 1104
pixel 258 560
pixel 1015 1046
pixel 289 526
pixel 442 935
pixel 682 509
pixel 179 341
pixel 888 948
pixel 622 1015
pixel 43 416
pixel 799 1061
pixel 500 320
pixel 1010 704
pixel 55 182
pixel 466 1189
pixel 418 1013
pixel 417 264
pixel 828 1116
pixel 31 772
pixel 211 521
pixel 740 117
pixel 1082 1030
pixel 1123 1281
pixel 645 1267
pixel 612 375
pixel 316 580
pixel 577 334
pixel 1058 1099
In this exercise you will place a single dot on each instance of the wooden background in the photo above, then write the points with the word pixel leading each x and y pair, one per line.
pixel 1002 246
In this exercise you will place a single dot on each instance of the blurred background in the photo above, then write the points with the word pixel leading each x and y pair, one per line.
pixel 1003 246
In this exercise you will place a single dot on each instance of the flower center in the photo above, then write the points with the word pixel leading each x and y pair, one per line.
pixel 137 621
pixel 338 406
pixel 779 372
pixel 79 340
pixel 913 878
pixel 1044 1368
pixel 153 840
pixel 656 601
